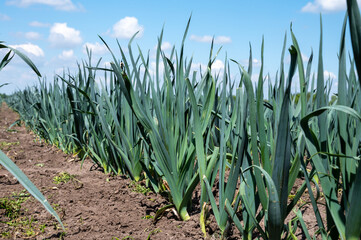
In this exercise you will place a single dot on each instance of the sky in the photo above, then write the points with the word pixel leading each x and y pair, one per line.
pixel 56 33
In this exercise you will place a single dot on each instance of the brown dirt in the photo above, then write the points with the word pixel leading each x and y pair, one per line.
pixel 94 205
pixel 99 206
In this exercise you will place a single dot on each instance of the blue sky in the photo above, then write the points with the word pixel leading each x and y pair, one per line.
pixel 54 33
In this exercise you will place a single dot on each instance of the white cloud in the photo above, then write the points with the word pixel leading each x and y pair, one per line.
pixel 127 27
pixel 59 71
pixel 325 6
pixel 199 67
pixel 66 55
pixel 18 75
pixel 255 62
pixel 4 17
pixel 255 77
pixel 63 5
pixel 30 48
pixel 63 36
pixel 329 75
pixel 205 38
pixel 107 64
pixel 217 65
pixel 152 68
pixel 166 46
pixel 96 48
pixel 208 39
pixel 39 24
pixel 32 35
pixel 223 39
pixel 304 57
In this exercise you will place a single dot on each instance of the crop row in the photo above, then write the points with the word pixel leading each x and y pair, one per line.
pixel 178 129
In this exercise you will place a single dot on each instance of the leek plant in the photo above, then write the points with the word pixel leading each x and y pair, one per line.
pixel 165 115
pixel 331 135
pixel 334 146
pixel 276 168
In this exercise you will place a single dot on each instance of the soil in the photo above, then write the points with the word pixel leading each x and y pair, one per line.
pixel 92 205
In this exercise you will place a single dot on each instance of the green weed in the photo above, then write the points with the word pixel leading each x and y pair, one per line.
pixel 138 188
pixel 17 224
pixel 63 177
pixel 7 145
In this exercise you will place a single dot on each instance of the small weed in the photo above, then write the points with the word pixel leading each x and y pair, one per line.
pixel 148 217
pixel 22 193
pixel 60 211
pixel 42 228
pixel 63 177
pixel 12 130
pixel 62 235
pixel 39 164
pixel 127 237
pixel 12 206
pixel 7 145
pixel 17 224
pixel 153 232
pixel 56 206
pixel 137 187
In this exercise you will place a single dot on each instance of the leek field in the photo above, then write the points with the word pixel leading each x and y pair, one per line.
pixel 240 148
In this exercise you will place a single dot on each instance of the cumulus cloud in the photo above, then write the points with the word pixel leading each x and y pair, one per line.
pixel 304 57
pixel 208 39
pixel 127 27
pixel 217 65
pixel 165 46
pixel 63 36
pixel 255 77
pixel 32 35
pixel 30 48
pixel 39 24
pixel 66 55
pixel 325 6
pixel 205 38
pixel 199 67
pixel 107 64
pixel 63 5
pixel 4 17
pixel 255 62
pixel 96 48
pixel 223 39
pixel 329 75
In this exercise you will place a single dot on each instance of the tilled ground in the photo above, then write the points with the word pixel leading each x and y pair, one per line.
pixel 92 205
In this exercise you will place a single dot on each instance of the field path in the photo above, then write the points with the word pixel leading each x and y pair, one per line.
pixel 92 206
